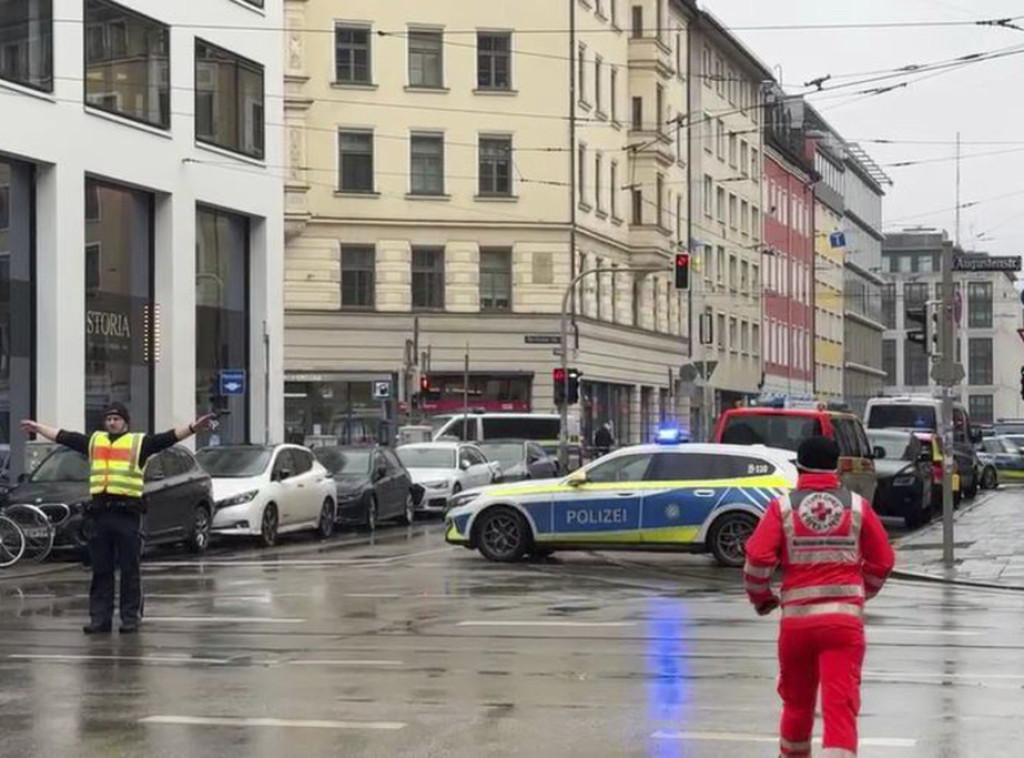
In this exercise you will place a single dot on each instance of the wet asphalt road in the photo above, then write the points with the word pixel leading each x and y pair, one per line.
pixel 402 646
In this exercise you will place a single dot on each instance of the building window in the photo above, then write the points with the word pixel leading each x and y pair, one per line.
pixel 495 279
pixel 494 60
pixel 355 161
pixel 889 362
pixel 659 109
pixel 720 267
pixel 426 162
pixel 495 166
pixel 426 59
pixel 733 215
pixel 979 360
pixel 352 54
pixel 358 276
pixel 229 100
pixel 613 94
pixel 638 21
pixel 660 200
pixel 720 203
pixel 708 195
pixel 26 43
pixel 581 73
pixel 744 158
pixel 222 320
pixel 598 171
pixel 744 217
pixel 979 305
pixel 755 164
pixel 581 174
pixel 127 63
pixel 915 295
pixel 755 224
pixel 119 364
pixel 598 94
pixel 889 306
pixel 981 408
pixel 720 331
pixel 915 365
pixel 638 113
pixel 720 139
pixel 615 189
pixel 428 278
pixel 732 148
pixel 638 206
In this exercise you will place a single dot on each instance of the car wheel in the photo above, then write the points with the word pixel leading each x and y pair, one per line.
pixel 409 511
pixel 325 528
pixel 990 479
pixel 970 492
pixel 268 526
pixel 729 535
pixel 199 539
pixel 502 534
pixel 370 522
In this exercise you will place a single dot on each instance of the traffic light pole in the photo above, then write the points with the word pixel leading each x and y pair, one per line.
pixel 947 374
pixel 563 434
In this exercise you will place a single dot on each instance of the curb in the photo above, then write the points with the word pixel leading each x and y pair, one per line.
pixel 915 576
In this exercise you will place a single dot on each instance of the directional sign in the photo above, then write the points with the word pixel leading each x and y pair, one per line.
pixel 837 239
pixel 232 382
pixel 986 263
pixel 381 390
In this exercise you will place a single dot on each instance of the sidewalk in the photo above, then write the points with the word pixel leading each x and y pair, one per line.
pixel 988 544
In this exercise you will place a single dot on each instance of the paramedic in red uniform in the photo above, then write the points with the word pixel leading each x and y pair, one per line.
pixel 834 555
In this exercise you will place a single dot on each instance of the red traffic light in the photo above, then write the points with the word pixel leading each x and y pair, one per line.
pixel 424 384
pixel 682 271
pixel 559 374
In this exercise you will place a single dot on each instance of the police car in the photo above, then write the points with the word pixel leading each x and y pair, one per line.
pixel 680 497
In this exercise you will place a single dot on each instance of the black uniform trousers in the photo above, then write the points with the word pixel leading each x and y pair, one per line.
pixel 115 542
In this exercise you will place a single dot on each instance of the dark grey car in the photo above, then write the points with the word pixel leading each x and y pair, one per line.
pixel 520 459
pixel 903 467
pixel 373 485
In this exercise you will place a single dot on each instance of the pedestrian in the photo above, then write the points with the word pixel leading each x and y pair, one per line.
pixel 603 439
pixel 117 462
pixel 834 555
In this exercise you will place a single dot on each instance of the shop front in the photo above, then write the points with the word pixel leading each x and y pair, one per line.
pixel 602 403
pixel 446 393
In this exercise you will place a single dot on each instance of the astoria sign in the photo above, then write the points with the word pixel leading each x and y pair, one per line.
pixel 108 324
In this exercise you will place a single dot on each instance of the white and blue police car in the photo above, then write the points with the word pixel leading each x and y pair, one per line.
pixel 669 496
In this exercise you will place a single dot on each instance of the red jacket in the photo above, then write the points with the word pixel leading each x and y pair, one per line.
pixel 831 546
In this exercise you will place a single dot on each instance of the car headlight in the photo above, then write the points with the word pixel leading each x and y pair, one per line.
pixel 239 499
pixel 903 481
pixel 462 499
pixel 437 484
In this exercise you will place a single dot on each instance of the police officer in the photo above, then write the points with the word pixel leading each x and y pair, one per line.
pixel 117 460
pixel 834 555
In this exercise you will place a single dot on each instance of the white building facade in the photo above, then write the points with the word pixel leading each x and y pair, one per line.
pixel 141 216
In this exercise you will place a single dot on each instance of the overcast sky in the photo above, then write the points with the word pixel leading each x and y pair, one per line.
pixel 983 101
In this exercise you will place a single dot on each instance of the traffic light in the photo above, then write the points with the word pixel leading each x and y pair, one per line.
pixel 682 271
pixel 918 317
pixel 566 391
pixel 424 384
pixel 558 376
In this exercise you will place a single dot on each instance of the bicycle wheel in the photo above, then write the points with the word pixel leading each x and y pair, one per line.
pixel 36 528
pixel 12 542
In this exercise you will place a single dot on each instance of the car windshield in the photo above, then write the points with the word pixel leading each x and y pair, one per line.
pixel 234 462
pixel 783 430
pixel 344 462
pixel 426 457
pixel 532 428
pixel 895 445
pixel 901 417
pixel 505 453
pixel 436 422
pixel 1015 441
pixel 62 466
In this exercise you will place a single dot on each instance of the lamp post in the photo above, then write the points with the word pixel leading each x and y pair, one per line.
pixel 563 434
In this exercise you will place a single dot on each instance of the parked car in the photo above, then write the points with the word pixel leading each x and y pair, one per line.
pixel 445 469
pixel 263 491
pixel 542 428
pixel 520 459
pixel 786 428
pixel 1004 457
pixel 371 483
pixel 903 467
pixel 923 413
pixel 178 498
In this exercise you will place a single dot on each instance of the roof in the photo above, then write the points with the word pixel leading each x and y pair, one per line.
pixel 731 40
pixel 865 165
pixel 772 453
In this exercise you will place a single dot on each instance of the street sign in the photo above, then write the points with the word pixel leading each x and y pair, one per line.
pixel 232 382
pixel 1020 333
pixel 837 239
pixel 948 374
pixel 381 390
pixel 542 339
pixel 986 263
pixel 706 369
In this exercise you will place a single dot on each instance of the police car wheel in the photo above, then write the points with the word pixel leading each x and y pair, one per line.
pixel 502 535
pixel 990 479
pixel 728 536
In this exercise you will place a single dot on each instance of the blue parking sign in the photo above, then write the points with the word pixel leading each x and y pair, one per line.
pixel 232 382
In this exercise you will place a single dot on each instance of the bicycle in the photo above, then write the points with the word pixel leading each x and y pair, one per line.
pixel 12 542
pixel 37 531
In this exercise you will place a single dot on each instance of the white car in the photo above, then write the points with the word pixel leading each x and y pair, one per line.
pixel 445 469
pixel 263 491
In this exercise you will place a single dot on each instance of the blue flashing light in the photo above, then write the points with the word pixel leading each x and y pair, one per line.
pixel 671 436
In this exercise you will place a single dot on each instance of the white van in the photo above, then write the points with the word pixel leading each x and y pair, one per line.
pixel 542 428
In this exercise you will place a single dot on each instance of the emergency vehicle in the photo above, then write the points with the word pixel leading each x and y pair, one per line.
pixel 669 496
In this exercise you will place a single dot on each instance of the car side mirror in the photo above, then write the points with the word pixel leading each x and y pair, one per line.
pixel 380 473
pixel 285 473
pixel 878 452
pixel 22 478
pixel 464 465
pixel 576 479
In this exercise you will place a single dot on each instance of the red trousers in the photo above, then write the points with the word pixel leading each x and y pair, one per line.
pixel 828 651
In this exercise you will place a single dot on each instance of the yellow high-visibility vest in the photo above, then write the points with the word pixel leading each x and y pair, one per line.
pixel 114 465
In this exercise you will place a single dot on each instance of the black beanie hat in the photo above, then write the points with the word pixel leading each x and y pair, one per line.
pixel 118 409
pixel 818 454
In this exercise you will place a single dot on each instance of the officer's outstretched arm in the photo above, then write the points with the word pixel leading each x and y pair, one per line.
pixel 29 426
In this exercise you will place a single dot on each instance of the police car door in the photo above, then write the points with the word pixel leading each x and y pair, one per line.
pixel 606 507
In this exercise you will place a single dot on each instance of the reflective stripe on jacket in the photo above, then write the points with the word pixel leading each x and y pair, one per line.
pixel 114 465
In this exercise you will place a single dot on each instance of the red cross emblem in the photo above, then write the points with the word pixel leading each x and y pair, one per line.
pixel 821 512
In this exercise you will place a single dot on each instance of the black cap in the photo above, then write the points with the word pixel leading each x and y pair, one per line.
pixel 819 454
pixel 118 409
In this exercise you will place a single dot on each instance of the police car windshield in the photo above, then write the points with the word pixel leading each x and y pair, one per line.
pixel 901 417
pixel 62 466
pixel 782 430
pixel 234 462
pixel 426 457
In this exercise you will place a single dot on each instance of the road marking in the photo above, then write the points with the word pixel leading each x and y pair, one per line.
pixel 733 737
pixel 279 723
pixel 221 620
pixel 904 630
pixel 126 658
pixel 379 595
pixel 935 675
pixel 595 624
pixel 346 663
pixel 297 561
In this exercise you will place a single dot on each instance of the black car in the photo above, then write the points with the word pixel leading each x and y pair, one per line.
pixel 903 467
pixel 177 492
pixel 373 485
pixel 520 459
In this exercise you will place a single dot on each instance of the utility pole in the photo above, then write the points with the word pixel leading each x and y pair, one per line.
pixel 947 376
